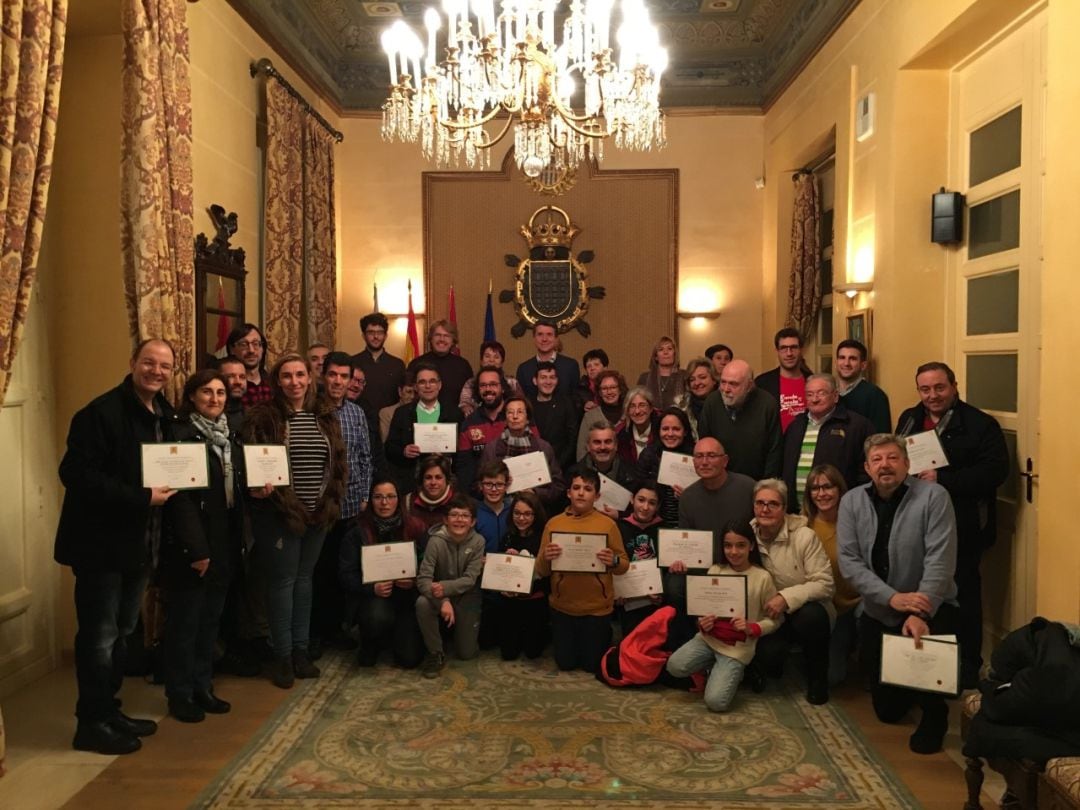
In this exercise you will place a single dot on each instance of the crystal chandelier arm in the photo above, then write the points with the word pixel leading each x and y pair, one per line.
pixel 479 122
pixel 572 121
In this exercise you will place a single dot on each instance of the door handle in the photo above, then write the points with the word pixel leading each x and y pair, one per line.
pixel 1030 476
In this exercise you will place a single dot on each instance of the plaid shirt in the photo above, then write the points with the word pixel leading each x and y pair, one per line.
pixel 258 392
pixel 354 431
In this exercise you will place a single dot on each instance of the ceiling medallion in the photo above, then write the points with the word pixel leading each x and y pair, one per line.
pixel 563 99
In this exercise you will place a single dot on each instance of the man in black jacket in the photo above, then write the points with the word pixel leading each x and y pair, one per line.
pixel 554 414
pixel 402 453
pixel 978 463
pixel 108 524
pixel 787 382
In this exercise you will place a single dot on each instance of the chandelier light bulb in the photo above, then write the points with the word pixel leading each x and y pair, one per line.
pixel 532 166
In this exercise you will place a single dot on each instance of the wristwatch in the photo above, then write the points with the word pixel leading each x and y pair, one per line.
pixel 614 560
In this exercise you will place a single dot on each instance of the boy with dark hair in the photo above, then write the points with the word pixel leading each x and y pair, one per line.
pixel 582 602
pixel 449 585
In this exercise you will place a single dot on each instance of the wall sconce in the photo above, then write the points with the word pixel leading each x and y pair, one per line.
pixel 709 314
pixel 853 288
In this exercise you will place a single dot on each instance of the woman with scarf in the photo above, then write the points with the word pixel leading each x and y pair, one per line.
pixel 385 612
pixel 611 386
pixel 674 437
pixel 434 489
pixel 202 533
pixel 517 439
pixel 640 425
pixel 701 380
pixel 290 522
pixel 664 379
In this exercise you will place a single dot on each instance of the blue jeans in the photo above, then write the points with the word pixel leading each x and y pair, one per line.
pixel 107 610
pixel 287 562
pixel 192 617
pixel 724 680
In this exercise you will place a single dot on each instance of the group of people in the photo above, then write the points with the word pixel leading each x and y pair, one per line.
pixel 800 478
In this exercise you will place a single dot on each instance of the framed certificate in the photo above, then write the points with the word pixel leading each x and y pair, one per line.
pixel 177 466
pixel 387 561
pixel 676 469
pixel 642 578
pixel 612 494
pixel 691 546
pixel 925 452
pixel 512 573
pixel 266 464
pixel 435 437
pixel 934 668
pixel 527 470
pixel 719 595
pixel 578 551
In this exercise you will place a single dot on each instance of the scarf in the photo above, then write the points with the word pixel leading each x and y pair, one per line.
pixel 217 433
pixel 517 445
pixel 612 413
pixel 386 528
pixel 432 504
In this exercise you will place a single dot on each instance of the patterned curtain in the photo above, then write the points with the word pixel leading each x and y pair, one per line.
pixel 31 61
pixel 156 201
pixel 804 290
pixel 300 268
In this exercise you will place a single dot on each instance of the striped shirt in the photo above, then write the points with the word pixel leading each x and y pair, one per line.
pixel 309 458
pixel 806 459
pixel 354 431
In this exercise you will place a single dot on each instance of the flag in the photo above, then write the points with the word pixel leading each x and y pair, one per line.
pixel 412 342
pixel 222 321
pixel 452 317
pixel 489 318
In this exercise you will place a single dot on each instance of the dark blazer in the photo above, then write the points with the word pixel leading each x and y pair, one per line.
pixel 769 381
pixel 384 376
pixel 978 465
pixel 557 420
pixel 106 508
pixel 565 367
pixel 454 371
pixel 840 443
pixel 400 436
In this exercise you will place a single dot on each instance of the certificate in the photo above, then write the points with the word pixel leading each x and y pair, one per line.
pixel 511 573
pixel 693 547
pixel 527 470
pixel 642 578
pixel 934 668
pixel 177 466
pixel 719 595
pixel 435 437
pixel 925 452
pixel 676 469
pixel 578 551
pixel 612 494
pixel 387 561
pixel 266 464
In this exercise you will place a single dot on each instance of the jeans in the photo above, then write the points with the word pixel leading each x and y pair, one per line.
pixel 390 622
pixel 286 562
pixel 107 610
pixel 466 629
pixel 192 617
pixel 724 680
pixel 579 642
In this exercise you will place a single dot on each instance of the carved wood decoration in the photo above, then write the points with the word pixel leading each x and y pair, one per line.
pixel 219 286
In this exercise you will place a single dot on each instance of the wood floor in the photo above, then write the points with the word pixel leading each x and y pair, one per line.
pixel 177 762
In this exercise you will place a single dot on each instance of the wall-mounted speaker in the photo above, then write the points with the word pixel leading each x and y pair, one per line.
pixel 947 217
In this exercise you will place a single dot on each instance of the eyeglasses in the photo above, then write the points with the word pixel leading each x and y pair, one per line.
pixel 822 487
pixel 381 497
pixel 708 456
pixel 248 344
pixel 767 506
pixel 523 514
pixel 458 514
pixel 493 485
pixel 427 382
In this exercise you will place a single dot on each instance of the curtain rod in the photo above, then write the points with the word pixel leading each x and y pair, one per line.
pixel 820 163
pixel 266 68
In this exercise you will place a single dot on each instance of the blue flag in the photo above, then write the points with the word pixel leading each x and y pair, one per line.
pixel 489 319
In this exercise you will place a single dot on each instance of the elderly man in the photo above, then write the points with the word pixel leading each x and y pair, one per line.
pixel 978 464
pixel 602 456
pixel 746 421
pixel 109 523
pixel 896 540
pixel 827 433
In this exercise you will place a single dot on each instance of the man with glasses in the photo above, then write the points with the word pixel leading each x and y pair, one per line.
pixel 402 453
pixel 787 382
pixel 827 433
pixel 247 344
pixel 483 425
pixel 383 372
pixel 718 498
pixel 746 421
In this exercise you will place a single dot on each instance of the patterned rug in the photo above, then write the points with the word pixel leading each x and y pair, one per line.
pixel 495 734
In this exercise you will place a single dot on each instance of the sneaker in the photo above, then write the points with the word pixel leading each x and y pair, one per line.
pixel 302 665
pixel 433 665
pixel 281 673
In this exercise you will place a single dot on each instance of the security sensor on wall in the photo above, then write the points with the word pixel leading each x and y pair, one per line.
pixel 865 109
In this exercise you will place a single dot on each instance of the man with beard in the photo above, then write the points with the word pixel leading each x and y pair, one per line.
pixel 247 344
pixel 787 382
pixel 856 392
pixel 484 425
pixel 453 369
pixel 357 393
pixel 746 421
pixel 603 457
pixel 382 370
pixel 232 369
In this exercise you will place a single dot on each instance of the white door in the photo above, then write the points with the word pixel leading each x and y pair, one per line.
pixel 996 160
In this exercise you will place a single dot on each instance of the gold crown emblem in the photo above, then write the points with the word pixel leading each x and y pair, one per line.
pixel 548 230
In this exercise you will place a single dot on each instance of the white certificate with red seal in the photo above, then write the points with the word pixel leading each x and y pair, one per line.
pixel 508 573
pixel 935 667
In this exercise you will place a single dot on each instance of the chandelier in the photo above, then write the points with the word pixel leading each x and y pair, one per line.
pixel 562 99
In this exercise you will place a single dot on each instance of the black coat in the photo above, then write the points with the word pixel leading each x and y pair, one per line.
pixel 769 381
pixel 199 524
pixel 400 436
pixel 106 510
pixel 558 420
pixel 840 443
pixel 978 465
